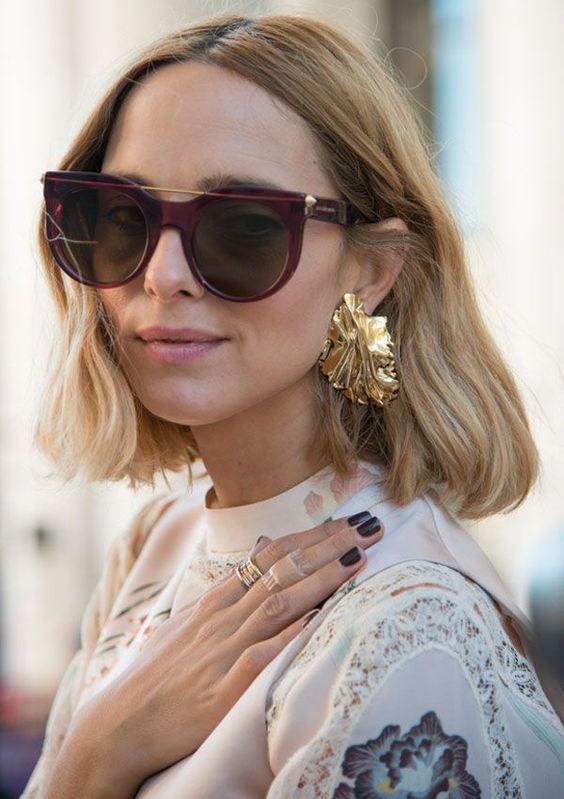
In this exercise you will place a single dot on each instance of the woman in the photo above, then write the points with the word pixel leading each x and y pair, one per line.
pixel 230 218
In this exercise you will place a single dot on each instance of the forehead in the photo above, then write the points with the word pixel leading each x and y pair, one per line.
pixel 189 119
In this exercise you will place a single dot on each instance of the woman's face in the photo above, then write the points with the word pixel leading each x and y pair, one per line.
pixel 182 124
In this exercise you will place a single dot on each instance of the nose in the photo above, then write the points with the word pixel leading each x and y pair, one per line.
pixel 168 273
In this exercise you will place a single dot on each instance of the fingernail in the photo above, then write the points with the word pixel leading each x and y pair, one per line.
pixel 309 617
pixel 358 518
pixel 370 527
pixel 351 557
pixel 259 539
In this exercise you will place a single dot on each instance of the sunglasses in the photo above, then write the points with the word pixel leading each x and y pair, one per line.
pixel 241 243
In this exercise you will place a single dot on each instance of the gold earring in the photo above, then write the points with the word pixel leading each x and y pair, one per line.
pixel 357 355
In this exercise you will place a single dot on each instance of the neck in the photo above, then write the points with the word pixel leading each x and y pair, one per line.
pixel 262 451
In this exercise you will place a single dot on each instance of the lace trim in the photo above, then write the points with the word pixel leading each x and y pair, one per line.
pixel 212 567
pixel 441 608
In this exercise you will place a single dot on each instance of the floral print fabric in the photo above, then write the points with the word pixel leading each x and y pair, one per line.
pixel 423 763
pixel 418 683
pixel 405 684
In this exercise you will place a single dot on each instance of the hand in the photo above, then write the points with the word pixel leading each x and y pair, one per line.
pixel 198 663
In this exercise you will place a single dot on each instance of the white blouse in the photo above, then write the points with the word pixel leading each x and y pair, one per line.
pixel 414 681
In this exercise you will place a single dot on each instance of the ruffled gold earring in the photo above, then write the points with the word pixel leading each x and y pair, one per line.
pixel 357 356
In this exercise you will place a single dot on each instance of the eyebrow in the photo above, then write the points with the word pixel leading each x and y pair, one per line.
pixel 217 180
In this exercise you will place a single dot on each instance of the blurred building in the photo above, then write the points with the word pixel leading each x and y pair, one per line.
pixel 486 78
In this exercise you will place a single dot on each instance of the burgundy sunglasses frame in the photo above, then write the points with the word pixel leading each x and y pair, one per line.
pixel 293 208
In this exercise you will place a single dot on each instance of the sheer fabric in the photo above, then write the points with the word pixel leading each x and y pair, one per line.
pixel 414 680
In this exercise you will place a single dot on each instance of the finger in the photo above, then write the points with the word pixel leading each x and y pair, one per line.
pixel 302 562
pixel 283 607
pixel 233 589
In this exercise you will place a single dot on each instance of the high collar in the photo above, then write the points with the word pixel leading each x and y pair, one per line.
pixel 300 507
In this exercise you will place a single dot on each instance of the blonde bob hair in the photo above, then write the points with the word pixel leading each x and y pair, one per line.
pixel 458 428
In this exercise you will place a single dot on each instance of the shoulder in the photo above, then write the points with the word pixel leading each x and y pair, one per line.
pixel 430 603
pixel 404 584
pixel 413 611
pixel 120 558
pixel 415 643
pixel 435 607
pixel 425 531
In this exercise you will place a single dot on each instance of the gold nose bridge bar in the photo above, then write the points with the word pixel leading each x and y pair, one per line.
pixel 179 191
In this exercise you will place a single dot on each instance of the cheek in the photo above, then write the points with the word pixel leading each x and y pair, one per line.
pixel 291 326
pixel 114 302
pixel 116 305
pixel 313 292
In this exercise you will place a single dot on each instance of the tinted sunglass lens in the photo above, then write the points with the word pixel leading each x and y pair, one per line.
pixel 240 247
pixel 103 234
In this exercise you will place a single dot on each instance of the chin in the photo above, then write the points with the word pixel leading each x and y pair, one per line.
pixel 187 413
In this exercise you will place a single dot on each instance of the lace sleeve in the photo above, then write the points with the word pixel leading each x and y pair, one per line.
pixel 409 688
pixel 118 562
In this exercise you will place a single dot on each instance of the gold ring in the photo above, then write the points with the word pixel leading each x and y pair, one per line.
pixel 248 572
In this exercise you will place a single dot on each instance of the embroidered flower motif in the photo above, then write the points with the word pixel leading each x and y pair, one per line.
pixel 343 487
pixel 343 792
pixel 348 587
pixel 314 505
pixel 424 763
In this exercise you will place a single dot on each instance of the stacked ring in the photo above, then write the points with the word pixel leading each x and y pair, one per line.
pixel 248 572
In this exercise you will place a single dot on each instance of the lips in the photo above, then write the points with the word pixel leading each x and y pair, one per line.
pixel 179 351
pixel 183 335
pixel 177 340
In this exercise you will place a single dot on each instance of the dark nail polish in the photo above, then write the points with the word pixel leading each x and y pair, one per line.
pixel 351 557
pixel 370 527
pixel 358 518
pixel 309 617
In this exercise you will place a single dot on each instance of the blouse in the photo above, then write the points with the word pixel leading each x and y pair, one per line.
pixel 417 679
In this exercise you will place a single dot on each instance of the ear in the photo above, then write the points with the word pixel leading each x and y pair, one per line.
pixel 374 278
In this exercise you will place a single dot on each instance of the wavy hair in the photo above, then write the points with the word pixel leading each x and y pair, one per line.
pixel 458 428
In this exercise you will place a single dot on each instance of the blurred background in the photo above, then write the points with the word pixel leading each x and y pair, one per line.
pixel 486 77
